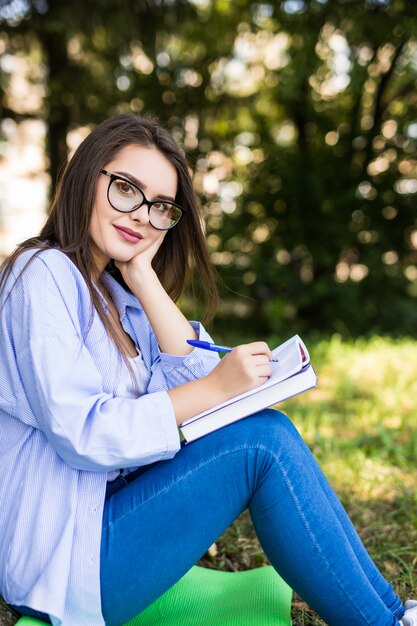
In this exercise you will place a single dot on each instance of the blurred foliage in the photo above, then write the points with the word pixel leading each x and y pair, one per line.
pixel 300 121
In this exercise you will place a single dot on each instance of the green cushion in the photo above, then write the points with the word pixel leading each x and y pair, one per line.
pixel 206 597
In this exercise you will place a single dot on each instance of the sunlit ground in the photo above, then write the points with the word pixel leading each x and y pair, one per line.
pixel 361 425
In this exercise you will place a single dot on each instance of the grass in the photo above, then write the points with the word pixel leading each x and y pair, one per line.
pixel 361 426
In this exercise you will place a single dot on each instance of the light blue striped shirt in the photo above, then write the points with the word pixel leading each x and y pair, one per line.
pixel 65 423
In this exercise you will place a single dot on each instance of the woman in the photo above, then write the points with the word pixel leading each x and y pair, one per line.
pixel 100 503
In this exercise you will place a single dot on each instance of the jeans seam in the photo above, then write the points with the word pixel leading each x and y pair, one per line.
pixel 186 475
pixel 307 525
pixel 291 492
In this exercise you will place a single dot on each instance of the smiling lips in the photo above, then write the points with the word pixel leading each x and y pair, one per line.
pixel 128 235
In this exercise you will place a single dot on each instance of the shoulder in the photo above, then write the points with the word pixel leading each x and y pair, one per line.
pixel 42 268
pixel 41 261
pixel 36 273
pixel 47 287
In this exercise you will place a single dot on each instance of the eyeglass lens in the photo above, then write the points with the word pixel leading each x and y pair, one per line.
pixel 125 197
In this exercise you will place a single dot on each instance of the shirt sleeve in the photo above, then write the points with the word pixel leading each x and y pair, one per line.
pixel 89 428
pixel 169 370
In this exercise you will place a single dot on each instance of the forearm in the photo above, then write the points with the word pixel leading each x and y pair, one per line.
pixel 244 368
pixel 170 326
pixel 195 397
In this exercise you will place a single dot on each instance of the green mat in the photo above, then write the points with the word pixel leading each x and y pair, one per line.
pixel 205 597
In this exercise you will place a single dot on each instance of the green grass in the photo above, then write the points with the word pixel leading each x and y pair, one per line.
pixel 361 424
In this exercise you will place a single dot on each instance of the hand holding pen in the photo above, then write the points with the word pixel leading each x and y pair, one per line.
pixel 244 367
pixel 206 345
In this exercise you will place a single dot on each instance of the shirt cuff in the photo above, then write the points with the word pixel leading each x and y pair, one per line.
pixel 169 423
pixel 195 356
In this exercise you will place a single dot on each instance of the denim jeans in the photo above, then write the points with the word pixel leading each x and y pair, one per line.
pixel 163 520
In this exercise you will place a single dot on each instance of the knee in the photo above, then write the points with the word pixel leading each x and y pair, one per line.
pixel 269 429
pixel 275 426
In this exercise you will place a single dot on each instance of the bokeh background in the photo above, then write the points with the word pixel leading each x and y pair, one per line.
pixel 299 118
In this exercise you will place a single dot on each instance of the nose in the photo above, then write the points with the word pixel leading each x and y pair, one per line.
pixel 141 214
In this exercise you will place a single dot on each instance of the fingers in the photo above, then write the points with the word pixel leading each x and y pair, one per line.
pixel 246 367
pixel 260 348
pixel 252 360
pixel 261 366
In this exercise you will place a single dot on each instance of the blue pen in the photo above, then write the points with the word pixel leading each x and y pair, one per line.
pixel 206 345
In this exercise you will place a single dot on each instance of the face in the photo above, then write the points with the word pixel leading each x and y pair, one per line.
pixel 121 236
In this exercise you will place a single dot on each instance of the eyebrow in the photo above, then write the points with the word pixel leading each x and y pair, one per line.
pixel 142 185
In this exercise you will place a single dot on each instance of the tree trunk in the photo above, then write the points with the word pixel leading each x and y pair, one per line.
pixel 58 115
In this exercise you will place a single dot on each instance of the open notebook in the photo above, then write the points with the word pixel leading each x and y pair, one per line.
pixel 292 374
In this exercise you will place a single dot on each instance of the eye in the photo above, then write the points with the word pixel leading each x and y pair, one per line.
pixel 124 188
pixel 163 208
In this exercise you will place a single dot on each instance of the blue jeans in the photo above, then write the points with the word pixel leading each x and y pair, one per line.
pixel 160 523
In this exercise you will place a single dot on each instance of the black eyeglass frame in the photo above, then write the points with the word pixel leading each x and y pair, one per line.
pixel 145 201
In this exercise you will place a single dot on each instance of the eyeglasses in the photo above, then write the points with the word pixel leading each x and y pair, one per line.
pixel 126 197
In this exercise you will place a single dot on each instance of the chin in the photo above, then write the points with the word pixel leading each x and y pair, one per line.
pixel 123 258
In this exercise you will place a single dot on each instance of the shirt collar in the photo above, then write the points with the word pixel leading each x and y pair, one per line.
pixel 121 298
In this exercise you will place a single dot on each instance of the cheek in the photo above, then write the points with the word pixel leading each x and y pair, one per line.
pixel 97 220
pixel 94 228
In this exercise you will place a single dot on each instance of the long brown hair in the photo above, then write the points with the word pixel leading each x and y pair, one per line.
pixel 183 254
